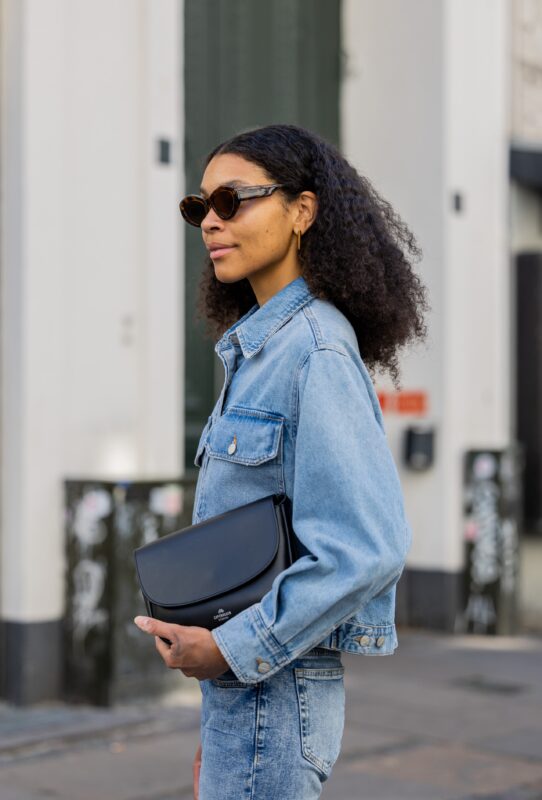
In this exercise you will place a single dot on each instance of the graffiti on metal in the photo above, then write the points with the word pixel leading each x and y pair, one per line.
pixel 491 512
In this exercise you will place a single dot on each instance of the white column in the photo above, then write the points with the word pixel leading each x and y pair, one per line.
pixel 477 271
pixel 424 113
pixel 91 268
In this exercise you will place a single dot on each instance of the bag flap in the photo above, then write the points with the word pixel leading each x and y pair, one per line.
pixel 211 557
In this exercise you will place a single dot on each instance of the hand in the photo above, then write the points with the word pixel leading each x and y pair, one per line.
pixel 193 650
pixel 196 767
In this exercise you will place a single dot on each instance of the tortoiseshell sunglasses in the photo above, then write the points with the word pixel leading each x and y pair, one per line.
pixel 225 201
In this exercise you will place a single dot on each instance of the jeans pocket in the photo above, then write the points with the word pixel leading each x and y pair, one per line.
pixel 229 680
pixel 321 702
pixel 228 706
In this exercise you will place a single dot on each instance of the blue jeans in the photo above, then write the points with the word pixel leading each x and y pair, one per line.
pixel 277 739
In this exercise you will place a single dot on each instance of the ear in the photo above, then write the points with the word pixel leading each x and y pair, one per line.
pixel 306 210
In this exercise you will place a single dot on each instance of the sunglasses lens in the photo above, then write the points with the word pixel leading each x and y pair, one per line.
pixel 224 202
pixel 193 209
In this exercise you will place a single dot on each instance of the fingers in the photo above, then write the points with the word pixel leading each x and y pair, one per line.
pixel 170 658
pixel 173 651
pixel 156 627
pixel 163 648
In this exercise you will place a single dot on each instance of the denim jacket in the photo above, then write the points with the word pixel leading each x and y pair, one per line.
pixel 301 405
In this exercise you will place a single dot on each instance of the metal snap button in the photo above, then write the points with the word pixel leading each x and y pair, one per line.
pixel 364 640
pixel 232 447
pixel 263 666
pixel 380 641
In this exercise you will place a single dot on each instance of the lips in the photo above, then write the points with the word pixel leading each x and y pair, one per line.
pixel 218 249
pixel 219 245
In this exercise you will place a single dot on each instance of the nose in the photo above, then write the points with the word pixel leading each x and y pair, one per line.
pixel 212 222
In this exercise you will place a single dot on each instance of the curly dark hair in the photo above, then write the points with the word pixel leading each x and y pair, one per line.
pixel 353 254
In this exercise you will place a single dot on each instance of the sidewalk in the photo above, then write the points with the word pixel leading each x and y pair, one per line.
pixel 445 718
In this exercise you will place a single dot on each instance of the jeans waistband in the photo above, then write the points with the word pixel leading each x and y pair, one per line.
pixel 322 651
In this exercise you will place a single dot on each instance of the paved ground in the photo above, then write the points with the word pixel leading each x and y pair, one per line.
pixel 445 718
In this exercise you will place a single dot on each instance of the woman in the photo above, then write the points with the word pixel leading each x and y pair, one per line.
pixel 309 287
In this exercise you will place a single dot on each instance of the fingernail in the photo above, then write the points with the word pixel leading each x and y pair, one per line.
pixel 142 622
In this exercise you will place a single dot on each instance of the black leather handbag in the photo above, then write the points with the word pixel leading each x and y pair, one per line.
pixel 206 573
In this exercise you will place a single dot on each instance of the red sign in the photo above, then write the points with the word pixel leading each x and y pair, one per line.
pixel 403 402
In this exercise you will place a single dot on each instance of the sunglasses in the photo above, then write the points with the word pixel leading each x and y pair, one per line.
pixel 225 201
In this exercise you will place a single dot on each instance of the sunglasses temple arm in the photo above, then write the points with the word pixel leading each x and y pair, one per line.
pixel 246 193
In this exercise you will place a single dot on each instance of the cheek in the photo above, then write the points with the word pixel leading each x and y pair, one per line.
pixel 267 245
pixel 265 234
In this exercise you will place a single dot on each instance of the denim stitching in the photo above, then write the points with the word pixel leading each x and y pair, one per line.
pixel 278 419
pixel 313 322
pixel 295 390
pixel 268 640
pixel 259 735
pixel 322 764
pixel 255 412
pixel 230 657
pixel 290 310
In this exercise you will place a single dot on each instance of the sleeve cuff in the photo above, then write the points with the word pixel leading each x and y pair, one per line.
pixel 250 649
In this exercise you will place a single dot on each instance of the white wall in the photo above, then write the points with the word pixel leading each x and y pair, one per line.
pixel 91 268
pixel 425 115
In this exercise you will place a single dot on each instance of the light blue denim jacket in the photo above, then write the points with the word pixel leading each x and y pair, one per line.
pixel 301 404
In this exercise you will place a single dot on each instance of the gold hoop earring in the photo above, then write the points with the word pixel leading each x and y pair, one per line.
pixel 298 233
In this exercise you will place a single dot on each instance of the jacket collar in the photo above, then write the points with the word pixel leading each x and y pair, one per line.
pixel 259 323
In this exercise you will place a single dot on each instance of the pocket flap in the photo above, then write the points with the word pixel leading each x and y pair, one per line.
pixel 245 435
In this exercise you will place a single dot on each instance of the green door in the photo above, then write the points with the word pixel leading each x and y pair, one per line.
pixel 247 63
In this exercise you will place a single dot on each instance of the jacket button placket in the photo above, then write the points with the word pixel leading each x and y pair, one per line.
pixel 226 357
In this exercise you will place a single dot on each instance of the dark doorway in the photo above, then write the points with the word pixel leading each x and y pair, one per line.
pixel 247 63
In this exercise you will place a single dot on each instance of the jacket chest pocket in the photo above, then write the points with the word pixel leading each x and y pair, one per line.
pixel 246 436
pixel 244 446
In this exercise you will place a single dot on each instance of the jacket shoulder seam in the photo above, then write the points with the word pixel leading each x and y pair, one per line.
pixel 318 347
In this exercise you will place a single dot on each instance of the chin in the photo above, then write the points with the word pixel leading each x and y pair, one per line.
pixel 225 275
pixel 227 278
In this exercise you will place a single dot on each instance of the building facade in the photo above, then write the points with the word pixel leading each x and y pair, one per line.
pixel 106 113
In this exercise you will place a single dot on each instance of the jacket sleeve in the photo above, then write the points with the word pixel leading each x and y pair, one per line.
pixel 347 511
